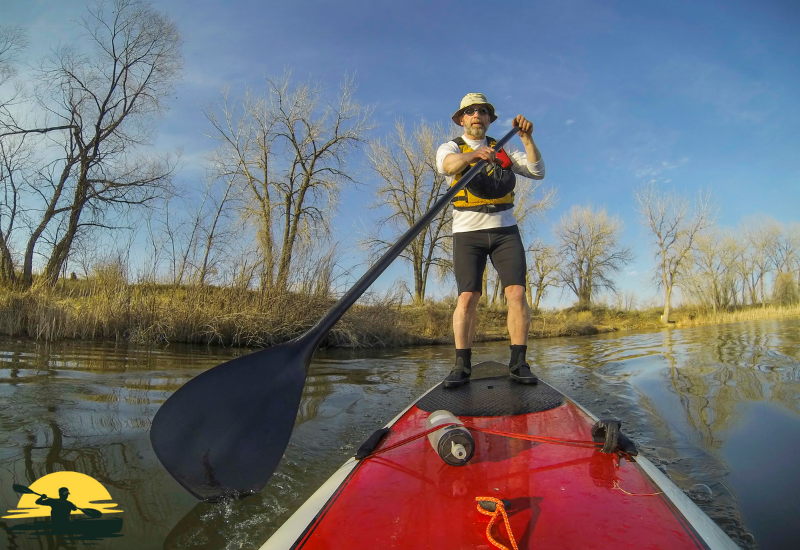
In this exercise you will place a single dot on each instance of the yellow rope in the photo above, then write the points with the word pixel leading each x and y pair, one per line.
pixel 616 486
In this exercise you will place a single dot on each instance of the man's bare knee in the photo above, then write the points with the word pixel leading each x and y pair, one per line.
pixel 515 295
pixel 468 301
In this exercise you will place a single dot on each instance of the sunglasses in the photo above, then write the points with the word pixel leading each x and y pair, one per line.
pixel 473 110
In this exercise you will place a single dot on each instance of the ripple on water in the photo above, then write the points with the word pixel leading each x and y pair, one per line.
pixel 713 407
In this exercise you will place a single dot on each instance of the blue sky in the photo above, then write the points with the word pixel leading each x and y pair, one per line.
pixel 694 94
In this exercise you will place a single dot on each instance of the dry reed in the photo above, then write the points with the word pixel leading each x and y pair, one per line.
pixel 106 307
pixel 689 318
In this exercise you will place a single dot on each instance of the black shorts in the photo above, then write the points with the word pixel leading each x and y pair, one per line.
pixel 502 244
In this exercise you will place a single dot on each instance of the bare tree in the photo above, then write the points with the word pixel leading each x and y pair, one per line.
pixel 793 231
pixel 12 42
pixel 759 235
pixel 711 277
pixel 287 149
pixel 99 110
pixel 409 185
pixel 674 226
pixel 15 167
pixel 212 226
pixel 15 155
pixel 784 249
pixel 543 271
pixel 186 230
pixel 590 249
pixel 785 291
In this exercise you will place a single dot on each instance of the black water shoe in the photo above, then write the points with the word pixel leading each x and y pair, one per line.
pixel 522 373
pixel 458 376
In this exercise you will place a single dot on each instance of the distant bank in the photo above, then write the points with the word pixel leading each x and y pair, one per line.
pixel 162 314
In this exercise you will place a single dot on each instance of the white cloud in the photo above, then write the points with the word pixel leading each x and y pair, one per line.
pixel 653 172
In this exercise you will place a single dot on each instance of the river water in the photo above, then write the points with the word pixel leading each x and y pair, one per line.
pixel 717 408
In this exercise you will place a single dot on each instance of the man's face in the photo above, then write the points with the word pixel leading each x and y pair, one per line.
pixel 475 121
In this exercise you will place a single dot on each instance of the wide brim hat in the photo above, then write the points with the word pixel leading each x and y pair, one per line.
pixel 470 100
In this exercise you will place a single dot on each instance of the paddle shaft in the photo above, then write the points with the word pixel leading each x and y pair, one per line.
pixel 28 490
pixel 318 331
pixel 224 432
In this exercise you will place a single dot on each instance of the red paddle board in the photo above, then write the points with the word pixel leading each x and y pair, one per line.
pixel 560 490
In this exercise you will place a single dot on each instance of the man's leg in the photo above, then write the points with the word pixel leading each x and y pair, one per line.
pixel 508 257
pixel 464 321
pixel 519 315
pixel 519 320
pixel 469 262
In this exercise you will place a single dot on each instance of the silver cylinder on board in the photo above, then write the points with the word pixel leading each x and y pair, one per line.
pixel 454 444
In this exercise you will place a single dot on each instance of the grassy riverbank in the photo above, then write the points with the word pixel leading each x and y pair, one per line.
pixel 149 313
pixel 199 315
pixel 691 317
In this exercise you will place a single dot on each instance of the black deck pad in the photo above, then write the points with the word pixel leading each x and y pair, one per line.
pixel 494 395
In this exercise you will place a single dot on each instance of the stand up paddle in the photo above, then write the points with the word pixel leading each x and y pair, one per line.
pixel 91 512
pixel 224 432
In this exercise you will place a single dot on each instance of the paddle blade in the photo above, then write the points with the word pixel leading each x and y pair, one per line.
pixel 223 433
pixel 91 512
pixel 22 489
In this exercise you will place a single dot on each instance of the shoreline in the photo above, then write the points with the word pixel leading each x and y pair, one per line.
pixel 159 314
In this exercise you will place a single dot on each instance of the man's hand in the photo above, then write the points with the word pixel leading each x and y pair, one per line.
pixel 454 163
pixel 525 127
pixel 484 153
pixel 526 135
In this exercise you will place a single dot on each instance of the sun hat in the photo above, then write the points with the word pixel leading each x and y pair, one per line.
pixel 473 99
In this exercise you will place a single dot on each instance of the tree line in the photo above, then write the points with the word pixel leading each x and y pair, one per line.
pixel 71 135
pixel 77 168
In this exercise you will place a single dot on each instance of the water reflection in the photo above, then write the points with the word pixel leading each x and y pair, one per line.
pixel 88 409
pixel 686 395
pixel 710 406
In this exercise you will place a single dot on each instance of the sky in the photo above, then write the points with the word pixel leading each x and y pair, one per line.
pixel 689 95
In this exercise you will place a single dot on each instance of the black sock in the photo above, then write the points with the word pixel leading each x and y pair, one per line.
pixel 517 355
pixel 466 358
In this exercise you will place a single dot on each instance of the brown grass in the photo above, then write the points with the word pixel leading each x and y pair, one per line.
pixel 149 313
pixel 690 317
pixel 106 307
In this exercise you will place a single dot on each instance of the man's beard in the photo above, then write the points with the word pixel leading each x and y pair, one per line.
pixel 475 132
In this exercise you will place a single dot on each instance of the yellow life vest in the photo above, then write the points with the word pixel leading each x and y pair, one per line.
pixel 492 176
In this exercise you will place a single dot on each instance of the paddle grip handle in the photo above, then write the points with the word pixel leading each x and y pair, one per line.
pixel 318 331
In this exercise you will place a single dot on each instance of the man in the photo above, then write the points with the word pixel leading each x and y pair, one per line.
pixel 61 507
pixel 484 225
